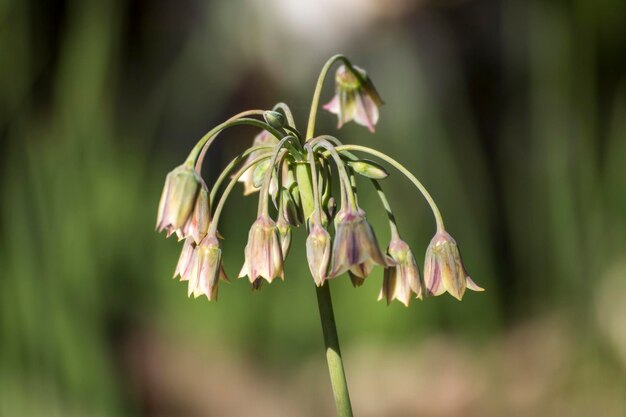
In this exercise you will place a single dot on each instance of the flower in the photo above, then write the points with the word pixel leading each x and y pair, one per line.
pixel 263 254
pixel 402 276
pixel 201 266
pixel 444 270
pixel 247 178
pixel 178 198
pixel 198 223
pixel 356 98
pixel 206 268
pixel 355 247
pixel 318 252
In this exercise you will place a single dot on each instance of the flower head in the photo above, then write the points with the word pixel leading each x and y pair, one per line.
pixel 356 98
pixel 178 198
pixel 355 247
pixel 263 254
pixel 444 270
pixel 402 276
pixel 318 252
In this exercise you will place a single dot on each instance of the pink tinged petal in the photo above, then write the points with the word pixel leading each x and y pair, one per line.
pixel 333 105
pixel 366 112
pixel 185 260
pixel 471 285
pixel 432 275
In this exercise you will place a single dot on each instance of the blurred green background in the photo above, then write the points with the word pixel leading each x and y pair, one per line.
pixel 512 112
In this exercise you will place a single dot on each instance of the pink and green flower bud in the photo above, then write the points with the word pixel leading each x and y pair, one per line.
pixel 318 252
pixel 444 270
pixel 206 269
pixel 355 99
pixel 402 276
pixel 284 232
pixel 198 223
pixel 263 138
pixel 178 199
pixel 355 247
pixel 263 253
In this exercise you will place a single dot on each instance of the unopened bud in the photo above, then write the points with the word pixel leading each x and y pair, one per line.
pixel 369 169
pixel 274 119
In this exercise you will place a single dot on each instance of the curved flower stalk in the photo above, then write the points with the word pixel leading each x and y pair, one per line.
pixel 294 174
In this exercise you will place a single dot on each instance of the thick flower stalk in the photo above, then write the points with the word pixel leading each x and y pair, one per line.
pixel 294 175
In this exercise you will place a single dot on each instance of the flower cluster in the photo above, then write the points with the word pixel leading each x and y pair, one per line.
pixel 295 175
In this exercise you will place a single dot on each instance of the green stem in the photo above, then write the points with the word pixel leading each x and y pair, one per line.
pixel 310 130
pixel 325 305
pixel 193 155
pixel 406 172
pixel 392 219
pixel 208 143
pixel 229 188
pixel 264 192
pixel 231 165
pixel 345 183
pixel 333 353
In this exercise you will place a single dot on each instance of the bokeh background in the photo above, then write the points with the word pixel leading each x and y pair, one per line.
pixel 512 112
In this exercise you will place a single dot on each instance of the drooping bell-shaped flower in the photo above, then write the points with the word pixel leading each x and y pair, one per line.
pixel 206 268
pixel 444 270
pixel 355 98
pixel 263 253
pixel 402 276
pixel 318 251
pixel 355 247
pixel 198 223
pixel 178 199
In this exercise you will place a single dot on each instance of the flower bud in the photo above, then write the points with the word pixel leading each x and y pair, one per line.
pixel 263 254
pixel 206 269
pixel 263 138
pixel 369 169
pixel 402 276
pixel 318 252
pixel 355 247
pixel 356 98
pixel 259 173
pixel 284 232
pixel 178 198
pixel 274 119
pixel 444 270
